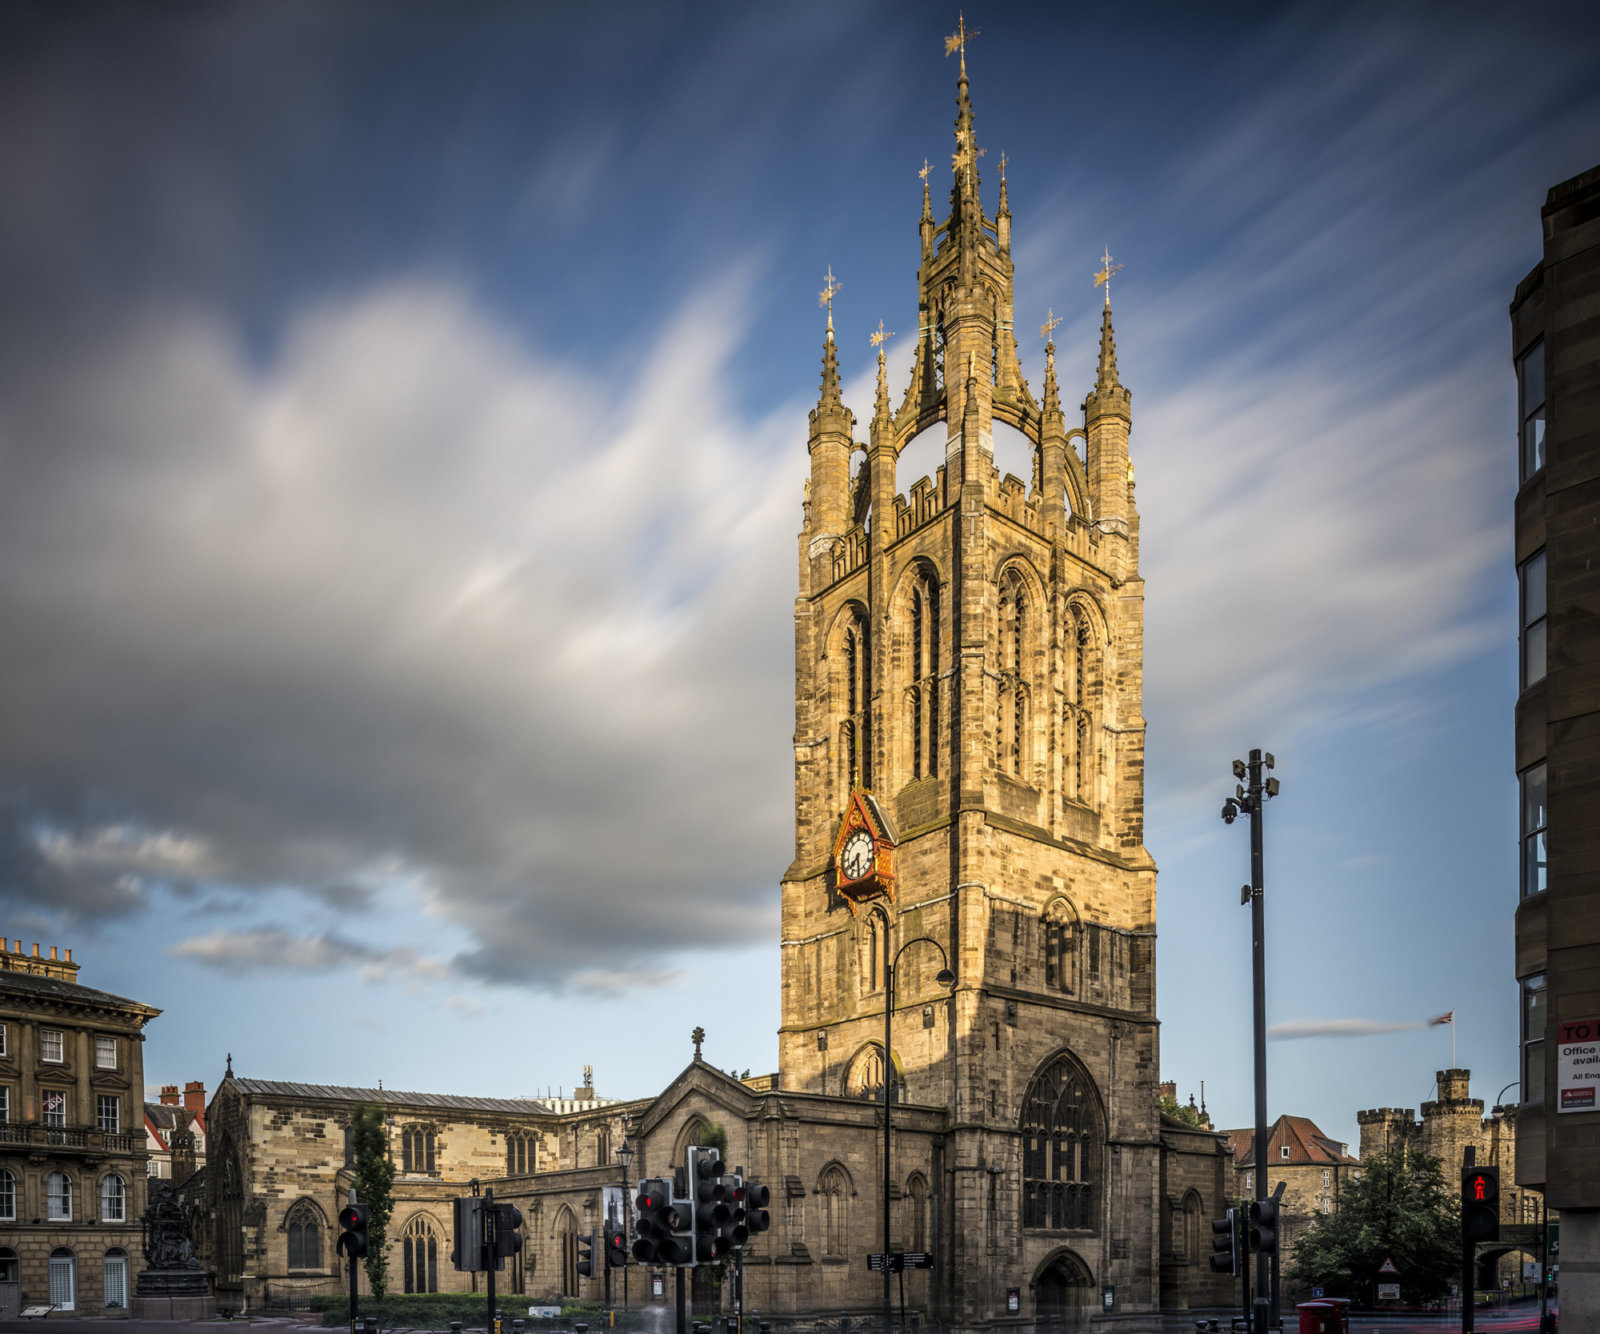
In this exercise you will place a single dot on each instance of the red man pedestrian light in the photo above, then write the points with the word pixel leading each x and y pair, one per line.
pixel 353 1240
pixel 1480 1204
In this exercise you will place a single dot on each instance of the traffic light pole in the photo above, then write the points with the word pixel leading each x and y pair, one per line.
pixel 489 1253
pixel 354 1298
pixel 683 1305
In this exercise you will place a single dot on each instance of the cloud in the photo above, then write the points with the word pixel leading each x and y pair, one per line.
pixel 267 949
pixel 409 604
pixel 1337 1028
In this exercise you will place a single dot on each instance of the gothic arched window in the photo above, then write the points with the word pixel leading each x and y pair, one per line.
pixel 1061 1148
pixel 304 1226
pixel 924 697
pixel 419 1255
pixel 1060 946
pixel 1078 725
pixel 602 1146
pixel 916 1206
pixel 567 1236
pixel 416 1149
pixel 520 1155
pixel 855 695
pixel 833 1191
pixel 1011 721
pixel 864 1076
pixel 875 940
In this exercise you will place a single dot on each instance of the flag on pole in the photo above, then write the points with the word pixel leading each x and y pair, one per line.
pixel 1449 1017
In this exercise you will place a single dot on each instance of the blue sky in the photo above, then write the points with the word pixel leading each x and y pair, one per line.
pixel 402 420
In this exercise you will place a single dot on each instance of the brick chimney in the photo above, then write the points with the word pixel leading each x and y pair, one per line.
pixel 194 1096
pixel 169 1095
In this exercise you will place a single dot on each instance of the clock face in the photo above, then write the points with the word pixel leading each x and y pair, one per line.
pixel 856 859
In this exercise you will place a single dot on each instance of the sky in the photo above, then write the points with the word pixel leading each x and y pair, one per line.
pixel 402 433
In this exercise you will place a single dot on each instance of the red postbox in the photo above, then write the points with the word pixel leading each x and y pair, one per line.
pixel 1320 1317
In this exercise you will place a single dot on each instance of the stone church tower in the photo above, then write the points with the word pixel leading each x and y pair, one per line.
pixel 968 675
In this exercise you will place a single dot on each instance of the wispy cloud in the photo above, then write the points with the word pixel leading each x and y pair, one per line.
pixel 1338 1028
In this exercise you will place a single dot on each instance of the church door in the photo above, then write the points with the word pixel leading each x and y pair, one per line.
pixel 1061 1295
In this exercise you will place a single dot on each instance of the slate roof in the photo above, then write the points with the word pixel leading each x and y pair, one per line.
pixel 37 984
pixel 273 1088
pixel 1308 1146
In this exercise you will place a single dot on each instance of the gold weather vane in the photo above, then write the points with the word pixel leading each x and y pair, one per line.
pixel 1052 322
pixel 925 170
pixel 1104 276
pixel 830 289
pixel 880 338
pixel 1003 160
pixel 957 41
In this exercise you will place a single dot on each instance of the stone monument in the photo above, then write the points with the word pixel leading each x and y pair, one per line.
pixel 173 1284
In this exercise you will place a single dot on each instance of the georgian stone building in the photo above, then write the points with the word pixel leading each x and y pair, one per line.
pixel 1313 1167
pixel 969 833
pixel 72 1154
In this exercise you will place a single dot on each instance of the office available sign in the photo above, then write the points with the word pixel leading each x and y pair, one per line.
pixel 1578 1066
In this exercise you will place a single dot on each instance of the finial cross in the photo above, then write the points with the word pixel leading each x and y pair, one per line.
pixel 1106 271
pixel 1052 322
pixel 880 338
pixel 925 170
pixel 697 1037
pixel 957 41
pixel 1003 160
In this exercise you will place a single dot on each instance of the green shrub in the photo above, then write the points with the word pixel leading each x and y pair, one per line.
pixel 435 1310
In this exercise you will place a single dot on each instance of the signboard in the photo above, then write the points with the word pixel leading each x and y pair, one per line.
pixel 545 1312
pixel 1315 1293
pixel 1108 1297
pixel 1388 1292
pixel 1013 1300
pixel 918 1260
pixel 1387 1267
pixel 898 1261
pixel 1578 1065
pixel 611 1205
pixel 1530 1271
pixel 658 1285
pixel 55 1104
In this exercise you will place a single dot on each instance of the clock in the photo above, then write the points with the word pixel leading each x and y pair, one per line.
pixel 856 858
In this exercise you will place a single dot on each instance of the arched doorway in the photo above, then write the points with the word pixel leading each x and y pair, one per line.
pixel 1061 1292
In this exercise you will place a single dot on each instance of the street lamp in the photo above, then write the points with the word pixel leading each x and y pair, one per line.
pixel 944 978
pixel 624 1156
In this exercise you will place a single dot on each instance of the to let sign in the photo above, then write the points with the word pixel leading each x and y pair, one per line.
pixel 1578 1066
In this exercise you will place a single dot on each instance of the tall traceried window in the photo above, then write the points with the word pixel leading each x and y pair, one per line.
pixel 1062 1146
pixel 916 1205
pixel 419 1256
pixel 875 941
pixel 925 667
pixel 856 698
pixel 304 1226
pixel 1077 727
pixel 416 1149
pixel 1011 720
pixel 833 1191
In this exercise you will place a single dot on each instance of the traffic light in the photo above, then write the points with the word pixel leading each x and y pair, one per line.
pixel 733 1231
pixel 1225 1245
pixel 708 1195
pixel 468 1254
pixel 1480 1204
pixel 616 1252
pixel 663 1227
pixel 507 1239
pixel 586 1264
pixel 353 1240
pixel 1264 1226
pixel 756 1199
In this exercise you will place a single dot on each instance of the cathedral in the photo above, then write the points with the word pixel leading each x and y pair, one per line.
pixel 969 874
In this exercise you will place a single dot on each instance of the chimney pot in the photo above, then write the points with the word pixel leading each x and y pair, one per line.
pixel 69 954
pixel 53 952
pixel 36 949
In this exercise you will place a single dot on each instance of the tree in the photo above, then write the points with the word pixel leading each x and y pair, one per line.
pixel 1399 1209
pixel 373 1178
pixel 1170 1106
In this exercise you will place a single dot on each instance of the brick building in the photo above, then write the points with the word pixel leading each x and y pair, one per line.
pixel 175 1132
pixel 969 796
pixel 72 1152
pixel 1312 1166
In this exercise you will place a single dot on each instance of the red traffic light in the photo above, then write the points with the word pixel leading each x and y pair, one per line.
pixel 353 1216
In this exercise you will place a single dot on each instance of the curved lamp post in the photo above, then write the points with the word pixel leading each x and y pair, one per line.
pixel 944 978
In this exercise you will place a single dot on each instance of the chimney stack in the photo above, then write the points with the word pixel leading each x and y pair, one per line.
pixel 169 1095
pixel 194 1096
